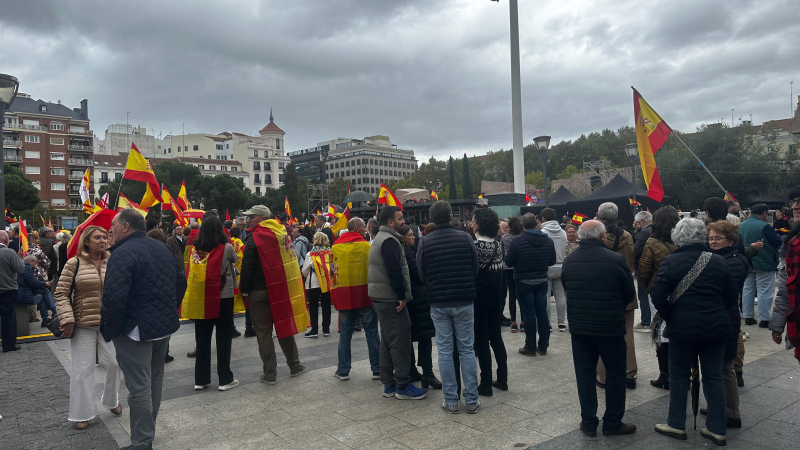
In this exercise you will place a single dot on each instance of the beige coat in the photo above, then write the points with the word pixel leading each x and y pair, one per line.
pixel 652 254
pixel 87 297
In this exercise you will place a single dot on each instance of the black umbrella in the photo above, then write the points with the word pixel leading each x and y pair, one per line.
pixel 695 390
pixel 358 196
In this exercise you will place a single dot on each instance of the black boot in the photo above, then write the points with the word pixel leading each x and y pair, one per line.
pixel 415 375
pixel 662 353
pixel 431 381
pixel 661 382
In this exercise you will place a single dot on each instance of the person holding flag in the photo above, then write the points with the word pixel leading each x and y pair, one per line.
pixel 86 198
pixel 349 294
pixel 273 288
pixel 209 302
pixel 317 273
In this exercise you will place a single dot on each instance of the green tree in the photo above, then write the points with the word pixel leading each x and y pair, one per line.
pixel 535 178
pixel 466 185
pixel 222 192
pixel 20 193
pixel 294 188
pixel 568 172
pixel 452 190
pixel 337 191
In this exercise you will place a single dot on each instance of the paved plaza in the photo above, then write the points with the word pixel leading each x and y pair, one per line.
pixel 317 411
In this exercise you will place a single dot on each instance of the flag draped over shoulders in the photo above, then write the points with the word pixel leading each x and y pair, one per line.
pixel 349 272
pixel 282 273
pixel 322 267
pixel 239 303
pixel 187 252
pixel 203 284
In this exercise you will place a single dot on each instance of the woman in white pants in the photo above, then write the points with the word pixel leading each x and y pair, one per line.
pixel 79 297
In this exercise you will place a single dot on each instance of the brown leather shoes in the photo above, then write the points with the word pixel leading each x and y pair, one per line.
pixel 81 425
pixel 526 352
pixel 117 410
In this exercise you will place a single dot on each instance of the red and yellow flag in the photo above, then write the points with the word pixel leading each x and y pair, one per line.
pixel 349 272
pixel 23 237
pixel 341 222
pixel 203 284
pixel 150 198
pixel 86 197
pixel 578 218
pixel 322 268
pixel 123 203
pixel 239 304
pixel 101 218
pixel 387 197
pixel 176 210
pixel 183 201
pixel 139 169
pixel 651 133
pixel 286 208
pixel 634 202
pixel 284 283
pixel 434 195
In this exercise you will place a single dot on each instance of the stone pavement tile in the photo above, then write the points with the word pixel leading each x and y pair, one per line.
pixel 753 381
pixel 381 429
pixel 505 438
pixel 540 402
pixel 554 422
pixel 249 424
pixel 438 435
pixel 316 441
pixel 767 396
pixel 790 414
pixel 786 382
pixel 323 424
pixel 188 439
pixel 369 394
pixel 492 417
pixel 388 444
pixel 772 434
pixel 194 418
pixel 326 406
pixel 426 414
pixel 767 368
pixel 379 408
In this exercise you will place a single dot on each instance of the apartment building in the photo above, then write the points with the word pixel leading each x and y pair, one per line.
pixel 366 163
pixel 52 144
pixel 118 138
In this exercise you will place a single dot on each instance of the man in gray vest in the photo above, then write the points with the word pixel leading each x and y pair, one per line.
pixel 761 281
pixel 390 289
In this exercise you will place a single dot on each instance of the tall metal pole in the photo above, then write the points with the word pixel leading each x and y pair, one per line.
pixel 543 154
pixel 2 167
pixel 516 101
pixel 633 172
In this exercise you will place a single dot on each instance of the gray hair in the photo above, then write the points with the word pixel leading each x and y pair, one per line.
pixel 733 220
pixel 689 231
pixel 30 259
pixel 591 229
pixel 643 216
pixel 241 220
pixel 607 212
pixel 43 231
pixel 133 218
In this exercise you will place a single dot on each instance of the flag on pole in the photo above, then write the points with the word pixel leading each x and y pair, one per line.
pixel 730 197
pixel 150 198
pixel 480 195
pixel 341 224
pixel 634 202
pixel 651 133
pixel 103 203
pixel 227 215
pixel 434 195
pixel 10 217
pixel 125 203
pixel 44 222
pixel 50 224
pixel 183 201
pixel 23 237
pixel 387 197
pixel 286 208
pixel 176 210
pixel 578 218
pixel 349 204
pixel 86 198
pixel 139 169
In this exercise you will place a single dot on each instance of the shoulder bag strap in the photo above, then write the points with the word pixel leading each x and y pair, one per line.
pixel 618 234
pixel 74 277
pixel 689 278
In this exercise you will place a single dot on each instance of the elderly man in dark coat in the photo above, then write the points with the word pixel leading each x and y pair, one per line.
pixel 599 287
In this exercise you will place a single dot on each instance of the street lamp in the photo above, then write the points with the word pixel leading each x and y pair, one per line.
pixel 8 90
pixel 784 166
pixel 632 150
pixel 542 143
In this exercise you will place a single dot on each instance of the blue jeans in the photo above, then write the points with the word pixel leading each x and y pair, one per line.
pixel 455 329
pixel 532 300
pixel 347 322
pixel 762 285
pixel 682 356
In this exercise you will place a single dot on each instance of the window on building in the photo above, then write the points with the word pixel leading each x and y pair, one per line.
pixel 57 126
pixel 258 190
pixel 347 163
pixel 57 171
pixel 371 161
pixel 57 186
pixel 201 166
pixel 234 169
pixel 209 156
pixel 195 147
pixel 347 174
pixel 56 156
pixel 358 171
pixel 224 168
pixel 58 202
pixel 256 165
pixel 212 167
pixel 56 141
pixel 280 178
pixel 381 171
pixel 43 108
pixel 104 177
pixel 255 153
pixel 32 138
pixel 227 146
pixel 278 143
pixel 117 177
pixel 268 179
pixel 33 155
pixel 372 171
pixel 219 146
pixel 179 149
pixel 32 170
pixel 336 165
pixel 281 165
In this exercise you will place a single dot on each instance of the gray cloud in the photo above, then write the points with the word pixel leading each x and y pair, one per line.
pixel 433 75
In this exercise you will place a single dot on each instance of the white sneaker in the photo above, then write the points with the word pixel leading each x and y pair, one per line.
pixel 229 386
pixel 200 387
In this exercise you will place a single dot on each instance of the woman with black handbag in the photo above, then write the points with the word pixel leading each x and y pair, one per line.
pixel 79 297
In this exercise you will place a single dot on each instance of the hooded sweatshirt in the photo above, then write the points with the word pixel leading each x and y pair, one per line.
pixel 553 230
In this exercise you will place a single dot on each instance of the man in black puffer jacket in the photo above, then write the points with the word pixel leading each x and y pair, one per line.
pixel 139 314
pixel 599 287
pixel 531 253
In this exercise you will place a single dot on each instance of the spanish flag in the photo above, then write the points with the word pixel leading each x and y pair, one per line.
pixel 322 268
pixel 651 133
pixel 286 208
pixel 183 201
pixel 23 237
pixel 634 202
pixel 139 169
pixel 480 195
pixel 84 192
pixel 284 283
pixel 123 203
pixel 150 198
pixel 239 304
pixel 203 284
pixel 341 223
pixel 176 210
pixel 578 218
pixel 187 252
pixel 387 197
pixel 434 195
pixel 349 272
pixel 11 217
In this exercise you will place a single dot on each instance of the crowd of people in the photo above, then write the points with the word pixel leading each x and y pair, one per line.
pixel 121 297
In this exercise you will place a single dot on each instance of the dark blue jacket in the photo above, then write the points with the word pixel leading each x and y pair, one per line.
pixel 704 312
pixel 143 279
pixel 599 287
pixel 447 263
pixel 738 265
pixel 530 254
pixel 419 310
pixel 29 286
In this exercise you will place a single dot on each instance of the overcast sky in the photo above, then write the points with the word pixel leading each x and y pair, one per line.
pixel 434 75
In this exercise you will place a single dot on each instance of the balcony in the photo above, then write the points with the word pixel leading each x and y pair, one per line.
pixel 75 176
pixel 76 207
pixel 11 143
pixel 18 126
pixel 80 132
pixel 80 148
pixel 103 180
pixel 74 193
pixel 12 158
pixel 80 162
pixel 257 181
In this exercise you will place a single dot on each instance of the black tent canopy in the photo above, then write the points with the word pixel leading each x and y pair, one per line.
pixel 617 191
pixel 558 201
